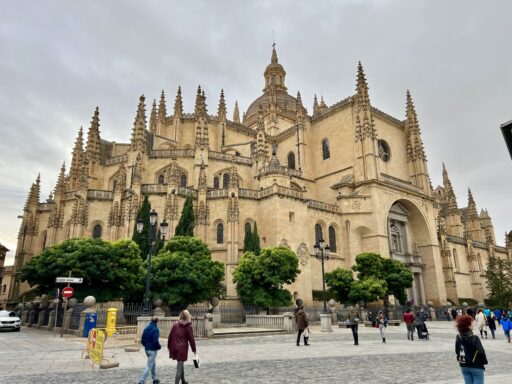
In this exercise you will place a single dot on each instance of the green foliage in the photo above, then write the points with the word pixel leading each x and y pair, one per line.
pixel 339 282
pixel 498 276
pixel 368 264
pixel 142 238
pixel 252 240
pixel 186 224
pixel 247 238
pixel 259 279
pixel 369 289
pixel 184 273
pixel 256 240
pixel 110 270
pixel 319 295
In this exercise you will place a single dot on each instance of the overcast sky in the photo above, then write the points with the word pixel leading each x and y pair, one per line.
pixel 60 59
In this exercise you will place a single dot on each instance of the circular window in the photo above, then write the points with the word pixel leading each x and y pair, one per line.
pixel 384 152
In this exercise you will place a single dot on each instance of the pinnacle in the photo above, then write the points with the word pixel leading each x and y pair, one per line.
pixel 222 106
pixel 274 54
pixel 236 113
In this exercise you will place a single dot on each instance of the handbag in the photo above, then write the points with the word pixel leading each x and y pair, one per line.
pixel 306 332
pixel 197 362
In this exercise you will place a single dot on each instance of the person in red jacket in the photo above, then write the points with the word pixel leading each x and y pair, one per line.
pixel 180 337
pixel 409 323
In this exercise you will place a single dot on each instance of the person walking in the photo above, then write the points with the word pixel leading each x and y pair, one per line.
pixel 353 321
pixel 481 320
pixel 301 318
pixel 383 324
pixel 149 340
pixel 180 337
pixel 454 313
pixel 491 322
pixel 409 323
pixel 470 352
pixel 497 313
pixel 506 324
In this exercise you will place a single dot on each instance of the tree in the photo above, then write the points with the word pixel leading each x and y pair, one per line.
pixel 110 270
pixel 248 238
pixel 340 282
pixel 186 224
pixel 142 238
pixel 184 273
pixel 256 240
pixel 260 279
pixel 498 276
pixel 368 289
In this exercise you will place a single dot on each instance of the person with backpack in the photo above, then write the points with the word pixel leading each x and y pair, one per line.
pixel 151 345
pixel 470 352
pixel 506 324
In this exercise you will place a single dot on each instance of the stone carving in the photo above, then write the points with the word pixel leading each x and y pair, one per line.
pixel 303 253
pixel 284 244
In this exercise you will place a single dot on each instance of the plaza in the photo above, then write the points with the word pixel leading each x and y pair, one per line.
pixel 34 356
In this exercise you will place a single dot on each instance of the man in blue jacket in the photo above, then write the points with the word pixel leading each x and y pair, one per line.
pixel 151 345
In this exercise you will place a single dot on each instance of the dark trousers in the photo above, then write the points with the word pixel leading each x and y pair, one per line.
pixel 180 373
pixel 354 328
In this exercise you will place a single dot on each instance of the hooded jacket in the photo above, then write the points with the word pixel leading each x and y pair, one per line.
pixel 301 318
pixel 150 337
pixel 180 336
pixel 470 352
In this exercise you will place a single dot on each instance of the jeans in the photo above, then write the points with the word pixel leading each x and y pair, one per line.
pixel 472 375
pixel 382 330
pixel 151 366
pixel 300 331
pixel 354 328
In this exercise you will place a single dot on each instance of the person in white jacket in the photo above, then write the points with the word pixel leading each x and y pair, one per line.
pixel 482 323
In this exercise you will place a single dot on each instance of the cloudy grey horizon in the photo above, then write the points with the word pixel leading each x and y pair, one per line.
pixel 62 59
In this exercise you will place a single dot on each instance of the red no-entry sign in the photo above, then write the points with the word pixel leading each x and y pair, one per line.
pixel 67 292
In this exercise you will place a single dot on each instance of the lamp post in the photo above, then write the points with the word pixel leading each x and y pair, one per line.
pixel 322 252
pixel 151 240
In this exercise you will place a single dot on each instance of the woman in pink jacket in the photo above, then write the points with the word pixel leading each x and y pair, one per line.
pixel 180 337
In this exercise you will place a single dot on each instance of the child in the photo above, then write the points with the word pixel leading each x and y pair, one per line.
pixel 507 325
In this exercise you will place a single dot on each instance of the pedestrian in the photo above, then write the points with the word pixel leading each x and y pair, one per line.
pixel 470 352
pixel 497 312
pixel 507 326
pixel 424 315
pixel 459 312
pixel 454 313
pixel 149 340
pixel 487 312
pixel 421 327
pixel 491 322
pixel 301 318
pixel 353 321
pixel 180 337
pixel 371 318
pixel 383 324
pixel 409 323
pixel 470 312
pixel 481 321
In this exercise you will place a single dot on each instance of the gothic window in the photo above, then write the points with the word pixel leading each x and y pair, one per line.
pixel 291 160
pixel 220 233
pixel 384 152
pixel 215 182
pixel 332 239
pixel 96 232
pixel 161 179
pixel 396 239
pixel 455 259
pixel 183 180
pixel 318 233
pixel 326 151
pixel 225 180
pixel 44 240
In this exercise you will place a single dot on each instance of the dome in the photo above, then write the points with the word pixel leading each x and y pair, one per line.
pixel 285 103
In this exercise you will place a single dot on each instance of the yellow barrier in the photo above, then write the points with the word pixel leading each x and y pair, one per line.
pixel 98 341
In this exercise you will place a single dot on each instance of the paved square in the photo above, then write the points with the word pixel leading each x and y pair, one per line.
pixel 34 356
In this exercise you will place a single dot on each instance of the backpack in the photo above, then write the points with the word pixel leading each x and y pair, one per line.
pixel 469 355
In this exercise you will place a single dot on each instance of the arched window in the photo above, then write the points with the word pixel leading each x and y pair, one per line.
pixel 225 180
pixel 455 259
pixel 220 233
pixel 291 160
pixel 215 182
pixel 44 240
pixel 183 180
pixel 332 239
pixel 161 179
pixel 396 240
pixel 318 233
pixel 96 232
pixel 326 151
pixel 384 152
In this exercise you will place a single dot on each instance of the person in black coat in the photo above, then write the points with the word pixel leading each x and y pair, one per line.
pixel 470 352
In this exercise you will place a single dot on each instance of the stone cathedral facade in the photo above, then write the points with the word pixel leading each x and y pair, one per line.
pixel 348 173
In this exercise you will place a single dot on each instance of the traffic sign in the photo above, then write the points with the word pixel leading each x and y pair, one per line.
pixel 74 280
pixel 67 292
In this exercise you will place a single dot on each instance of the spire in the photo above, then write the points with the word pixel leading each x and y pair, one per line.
pixel 273 60
pixel 274 74
pixel 315 106
pixel 236 113
pixel 92 151
pixel 414 144
pixel 365 126
pixel 152 118
pixel 178 105
pixel 198 107
pixel 222 113
pixel 202 185
pixel 34 193
pixel 162 109
pixel 61 181
pixel 77 160
pixel 138 141
pixel 472 213
pixel 449 193
pixel 299 108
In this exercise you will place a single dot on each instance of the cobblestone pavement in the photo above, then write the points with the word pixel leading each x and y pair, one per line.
pixel 33 356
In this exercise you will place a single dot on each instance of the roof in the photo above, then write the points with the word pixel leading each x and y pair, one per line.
pixel 3 248
pixel 285 102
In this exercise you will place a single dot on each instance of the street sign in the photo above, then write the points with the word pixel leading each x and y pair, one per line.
pixel 72 280
pixel 67 292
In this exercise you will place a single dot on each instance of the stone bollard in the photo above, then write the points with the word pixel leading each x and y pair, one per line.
pixel 158 311
pixel 90 307
pixel 363 314
pixel 69 311
pixel 332 310
pixel 24 315
pixel 42 313
pixel 208 325
pixel 288 322
pixel 216 311
pixel 51 316
pixel 32 313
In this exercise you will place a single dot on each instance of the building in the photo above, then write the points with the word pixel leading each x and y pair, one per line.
pixel 348 173
pixel 3 279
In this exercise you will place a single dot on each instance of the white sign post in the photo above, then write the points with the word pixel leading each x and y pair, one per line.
pixel 69 280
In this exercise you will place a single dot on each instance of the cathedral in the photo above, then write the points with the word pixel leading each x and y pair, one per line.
pixel 347 173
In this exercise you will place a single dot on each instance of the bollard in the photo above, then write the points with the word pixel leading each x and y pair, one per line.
pixel 111 321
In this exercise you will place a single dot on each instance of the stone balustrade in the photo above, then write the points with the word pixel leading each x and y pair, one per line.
pixel 284 321
pixel 97 194
pixel 117 159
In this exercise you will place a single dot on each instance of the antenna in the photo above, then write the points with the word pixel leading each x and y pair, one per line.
pixel 273 38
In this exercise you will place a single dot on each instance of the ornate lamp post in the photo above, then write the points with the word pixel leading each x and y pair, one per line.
pixel 151 240
pixel 322 252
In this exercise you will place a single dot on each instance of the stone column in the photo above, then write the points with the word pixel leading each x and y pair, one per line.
pixel 90 307
pixel 421 289
pixel 208 325
pixel 42 313
pixel 325 322
pixel 215 311
pixel 332 310
pixel 51 317
pixel 27 307
pixel 67 315
pixel 288 322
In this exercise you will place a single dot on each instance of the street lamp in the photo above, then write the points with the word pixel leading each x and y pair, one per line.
pixel 322 252
pixel 151 240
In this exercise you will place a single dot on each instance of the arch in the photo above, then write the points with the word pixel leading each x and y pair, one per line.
pixel 216 182
pixel 97 231
pixel 326 149
pixel 291 160
pixel 183 180
pixel 220 233
pixel 455 260
pixel 162 171
pixel 332 239
pixel 319 233
pixel 295 186
pixel 161 179
pixel 225 180
pixel 167 146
